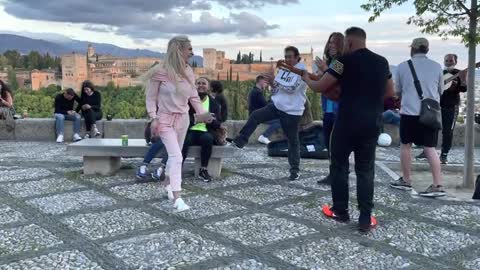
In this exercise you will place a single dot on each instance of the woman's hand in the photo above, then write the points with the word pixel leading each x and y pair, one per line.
pixel 322 65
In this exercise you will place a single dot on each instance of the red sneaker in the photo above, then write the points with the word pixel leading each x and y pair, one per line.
pixel 329 212
pixel 365 228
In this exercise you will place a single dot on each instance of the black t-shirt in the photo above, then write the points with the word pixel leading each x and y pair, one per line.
pixel 451 96
pixel 95 101
pixel 363 79
pixel 256 100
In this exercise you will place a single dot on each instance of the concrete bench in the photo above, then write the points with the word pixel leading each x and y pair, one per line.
pixel 103 156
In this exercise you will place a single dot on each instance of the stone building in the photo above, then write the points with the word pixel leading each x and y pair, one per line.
pixel 74 70
pixel 102 69
pixel 44 78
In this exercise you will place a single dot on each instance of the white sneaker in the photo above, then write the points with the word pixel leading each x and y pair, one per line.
pixel 76 137
pixel 263 139
pixel 169 191
pixel 60 138
pixel 87 136
pixel 96 133
pixel 180 205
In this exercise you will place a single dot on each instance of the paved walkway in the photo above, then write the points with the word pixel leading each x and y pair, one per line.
pixel 52 217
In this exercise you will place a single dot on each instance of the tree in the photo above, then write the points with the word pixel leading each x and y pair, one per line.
pixel 239 58
pixel 231 73
pixel 12 79
pixel 13 58
pixel 245 59
pixel 261 56
pixel 447 18
pixel 3 62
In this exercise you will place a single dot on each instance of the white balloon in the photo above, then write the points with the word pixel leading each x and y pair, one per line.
pixel 384 140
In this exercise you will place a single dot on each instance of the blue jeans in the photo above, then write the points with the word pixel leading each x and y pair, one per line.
pixel 274 125
pixel 60 122
pixel 391 117
pixel 153 151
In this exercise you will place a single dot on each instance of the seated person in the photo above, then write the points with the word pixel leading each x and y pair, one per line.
pixel 64 104
pixel 6 106
pixel 391 115
pixel 156 145
pixel 256 100
pixel 91 106
pixel 201 134
pixel 220 99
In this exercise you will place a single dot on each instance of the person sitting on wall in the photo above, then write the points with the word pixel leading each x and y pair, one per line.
pixel 256 100
pixel 64 104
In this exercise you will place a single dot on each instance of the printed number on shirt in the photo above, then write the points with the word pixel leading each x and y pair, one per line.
pixel 286 78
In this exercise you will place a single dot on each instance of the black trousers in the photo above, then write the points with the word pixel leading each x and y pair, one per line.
pixel 290 126
pixel 91 117
pixel 328 122
pixel 203 139
pixel 449 118
pixel 363 146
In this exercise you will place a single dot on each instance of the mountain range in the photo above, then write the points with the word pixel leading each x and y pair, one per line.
pixel 58 45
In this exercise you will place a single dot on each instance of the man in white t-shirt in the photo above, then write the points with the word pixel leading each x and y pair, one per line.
pixel 288 104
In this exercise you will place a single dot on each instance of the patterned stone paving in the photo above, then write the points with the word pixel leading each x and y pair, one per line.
pixel 53 217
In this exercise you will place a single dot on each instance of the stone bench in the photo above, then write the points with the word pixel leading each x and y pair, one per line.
pixel 103 156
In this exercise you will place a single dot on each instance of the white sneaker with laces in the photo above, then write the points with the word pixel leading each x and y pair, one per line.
pixel 169 191
pixel 180 205
pixel 76 137
pixel 263 139
pixel 60 138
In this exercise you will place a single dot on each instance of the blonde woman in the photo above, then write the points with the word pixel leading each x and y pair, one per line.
pixel 170 88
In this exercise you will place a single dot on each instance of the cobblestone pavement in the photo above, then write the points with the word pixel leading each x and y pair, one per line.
pixel 53 217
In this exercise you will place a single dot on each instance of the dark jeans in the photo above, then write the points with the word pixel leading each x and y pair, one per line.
pixel 204 139
pixel 154 149
pixel 328 121
pixel 449 118
pixel 363 146
pixel 274 125
pixel 289 123
pixel 91 117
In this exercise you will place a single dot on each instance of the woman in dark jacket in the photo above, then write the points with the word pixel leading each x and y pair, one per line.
pixel 91 107
pixel 201 134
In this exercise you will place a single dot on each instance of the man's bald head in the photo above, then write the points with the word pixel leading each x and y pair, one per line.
pixel 355 38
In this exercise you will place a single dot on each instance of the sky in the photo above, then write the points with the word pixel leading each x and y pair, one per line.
pixel 228 25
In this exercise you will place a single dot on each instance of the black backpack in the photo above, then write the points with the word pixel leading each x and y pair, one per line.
pixel 312 145
pixel 476 194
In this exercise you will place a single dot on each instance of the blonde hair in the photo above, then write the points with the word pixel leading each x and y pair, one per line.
pixel 174 64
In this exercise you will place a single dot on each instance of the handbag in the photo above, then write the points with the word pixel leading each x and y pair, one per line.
pixel 220 135
pixel 430 112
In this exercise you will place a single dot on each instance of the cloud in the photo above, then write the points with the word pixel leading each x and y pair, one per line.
pixel 148 18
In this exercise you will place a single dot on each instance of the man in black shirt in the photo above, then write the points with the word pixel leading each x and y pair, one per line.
pixel 64 111
pixel 449 102
pixel 256 100
pixel 365 80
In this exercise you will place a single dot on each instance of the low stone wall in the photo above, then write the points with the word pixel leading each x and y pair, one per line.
pixel 43 129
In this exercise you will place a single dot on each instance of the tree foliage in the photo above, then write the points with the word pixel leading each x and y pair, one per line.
pixel 33 60
pixel 446 18
pixel 129 102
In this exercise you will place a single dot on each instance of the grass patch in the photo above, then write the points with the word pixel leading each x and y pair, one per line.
pixel 225 173
pixel 74 175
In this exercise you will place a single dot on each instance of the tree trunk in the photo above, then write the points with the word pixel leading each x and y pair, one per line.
pixel 468 174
